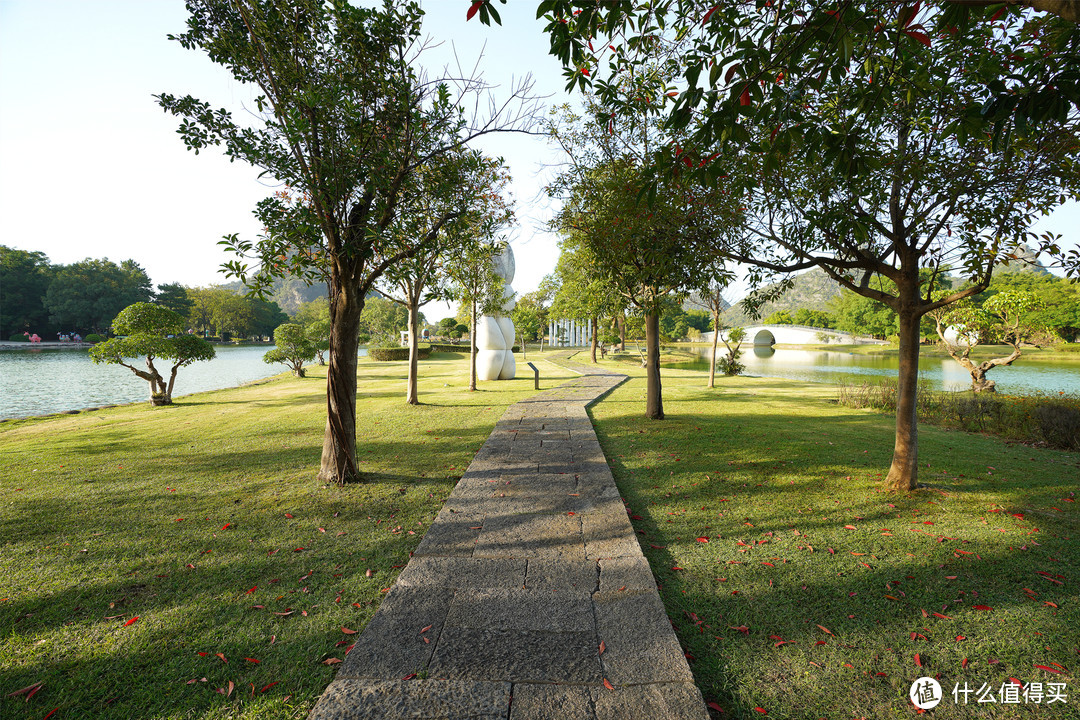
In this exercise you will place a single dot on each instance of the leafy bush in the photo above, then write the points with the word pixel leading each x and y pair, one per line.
pixel 1052 420
pixel 385 354
pixel 94 338
pixel 1059 424
pixel 19 338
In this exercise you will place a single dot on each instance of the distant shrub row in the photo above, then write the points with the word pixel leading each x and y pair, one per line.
pixel 382 354
pixel 1052 420
pixel 462 348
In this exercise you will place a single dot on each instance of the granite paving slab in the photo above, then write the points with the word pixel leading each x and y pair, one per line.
pixel 529 566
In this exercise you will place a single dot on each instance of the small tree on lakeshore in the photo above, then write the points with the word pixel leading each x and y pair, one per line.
pixel 318 331
pixel 1006 317
pixel 294 348
pixel 153 331
pixel 730 364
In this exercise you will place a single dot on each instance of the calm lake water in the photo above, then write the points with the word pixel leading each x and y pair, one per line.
pixel 38 382
pixel 1024 377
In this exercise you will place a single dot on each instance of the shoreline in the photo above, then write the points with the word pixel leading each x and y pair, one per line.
pixel 51 345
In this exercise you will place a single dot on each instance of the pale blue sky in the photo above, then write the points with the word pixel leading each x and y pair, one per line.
pixel 91 167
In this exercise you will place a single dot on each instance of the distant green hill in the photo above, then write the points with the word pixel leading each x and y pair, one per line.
pixel 289 293
pixel 813 290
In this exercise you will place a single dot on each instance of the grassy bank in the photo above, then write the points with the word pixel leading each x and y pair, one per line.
pixel 182 561
pixel 799 588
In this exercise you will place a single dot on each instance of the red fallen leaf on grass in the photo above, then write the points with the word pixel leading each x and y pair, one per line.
pixel 225 525
pixel 1016 682
pixel 189 565
pixel 943 617
pixel 284 614
pixel 715 707
pixel 603 647
pixel 824 629
pixel 918 660
pixel 821 642
pixel 981 607
pixel 51 713
pixel 335 661
pixel 703 539
pixel 608 684
pixel 677 568
pixel 961 637
pixel 28 689
pixel 347 631
pixel 267 687
pixel 964 663
pixel 251 590
pixel 299 549
pixel 1048 669
pixel 923 613
pixel 1047 602
pixel 288 515
pixel 253 660
pixel 220 655
pixel 741 628
pixel 850 527
pixel 763 711
pixel 129 622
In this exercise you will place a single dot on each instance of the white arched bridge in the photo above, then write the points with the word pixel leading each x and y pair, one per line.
pixel 794 335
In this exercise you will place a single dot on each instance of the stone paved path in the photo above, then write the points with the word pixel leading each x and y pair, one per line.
pixel 529 567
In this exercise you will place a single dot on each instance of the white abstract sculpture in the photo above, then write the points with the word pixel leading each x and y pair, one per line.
pixel 495 333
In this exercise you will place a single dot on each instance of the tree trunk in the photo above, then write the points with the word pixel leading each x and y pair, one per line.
pixel 472 348
pixel 524 356
pixel 904 471
pixel 414 353
pixel 338 464
pixel 715 340
pixel 622 333
pixel 595 336
pixel 654 403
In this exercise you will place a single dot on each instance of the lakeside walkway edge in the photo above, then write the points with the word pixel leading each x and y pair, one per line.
pixel 528 597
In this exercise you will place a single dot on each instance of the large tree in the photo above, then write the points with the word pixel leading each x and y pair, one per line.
pixel 88 294
pixel 646 235
pixel 746 63
pixel 873 140
pixel 886 223
pixel 343 121
pixel 24 280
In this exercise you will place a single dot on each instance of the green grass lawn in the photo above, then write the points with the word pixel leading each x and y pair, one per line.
pixel 798 587
pixel 183 562
pixel 204 521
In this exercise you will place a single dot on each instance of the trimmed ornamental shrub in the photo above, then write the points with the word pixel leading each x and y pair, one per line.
pixel 383 354
pixel 19 338
pixel 94 338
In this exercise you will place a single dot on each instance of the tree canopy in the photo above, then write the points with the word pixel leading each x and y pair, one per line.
pixel 90 293
pixel 344 122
